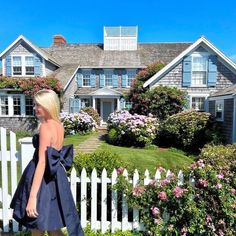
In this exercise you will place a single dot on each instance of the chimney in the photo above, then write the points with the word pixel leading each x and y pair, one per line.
pixel 58 40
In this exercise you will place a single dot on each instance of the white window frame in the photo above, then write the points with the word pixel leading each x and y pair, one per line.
pixel 204 55
pixel 83 104
pixel 219 102
pixel 199 97
pixel 129 72
pixel 11 108
pixel 23 65
pixel 83 72
pixel 106 72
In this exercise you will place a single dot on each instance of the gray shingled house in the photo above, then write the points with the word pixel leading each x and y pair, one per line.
pixel 222 105
pixel 98 75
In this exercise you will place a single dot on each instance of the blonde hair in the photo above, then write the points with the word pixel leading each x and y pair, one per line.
pixel 49 100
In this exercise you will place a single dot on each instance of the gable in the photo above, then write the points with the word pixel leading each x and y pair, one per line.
pixel 202 45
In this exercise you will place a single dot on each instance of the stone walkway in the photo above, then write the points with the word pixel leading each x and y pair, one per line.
pixel 92 143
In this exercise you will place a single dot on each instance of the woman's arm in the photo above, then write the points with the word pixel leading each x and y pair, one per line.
pixel 44 142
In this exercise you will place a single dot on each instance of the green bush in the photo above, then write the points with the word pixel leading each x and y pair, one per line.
pixel 98 160
pixel 93 113
pixel 189 130
pixel 112 136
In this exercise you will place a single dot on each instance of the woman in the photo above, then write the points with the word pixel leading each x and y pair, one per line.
pixel 43 199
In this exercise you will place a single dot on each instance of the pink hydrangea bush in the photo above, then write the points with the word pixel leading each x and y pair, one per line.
pixel 205 204
pixel 131 130
pixel 79 122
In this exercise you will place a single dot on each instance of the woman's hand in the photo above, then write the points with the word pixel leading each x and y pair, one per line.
pixel 31 207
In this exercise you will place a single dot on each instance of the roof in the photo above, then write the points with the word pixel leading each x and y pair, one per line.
pixel 105 92
pixel 40 51
pixel 227 91
pixel 65 74
pixel 202 41
pixel 93 55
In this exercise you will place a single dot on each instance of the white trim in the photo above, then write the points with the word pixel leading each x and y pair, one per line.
pixel 4 67
pixel 71 78
pixel 197 95
pixel 39 51
pixel 201 41
pixel 221 97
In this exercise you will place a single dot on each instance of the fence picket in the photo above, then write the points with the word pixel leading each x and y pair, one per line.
pixel 83 201
pixel 104 202
pixel 124 222
pixel 146 177
pixel 13 162
pixel 114 203
pixel 5 202
pixel 94 200
pixel 135 211
pixel 73 184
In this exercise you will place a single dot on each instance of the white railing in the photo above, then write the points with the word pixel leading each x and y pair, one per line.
pixel 100 206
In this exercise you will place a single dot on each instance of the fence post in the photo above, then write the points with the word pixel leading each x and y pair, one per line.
pixel 26 152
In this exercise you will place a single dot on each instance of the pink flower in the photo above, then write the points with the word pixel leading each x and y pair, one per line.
pixel 164 182
pixel 162 196
pixel 220 176
pixel 157 221
pixel 138 190
pixel 233 191
pixel 120 170
pixel 208 219
pixel 202 183
pixel 155 211
pixel 219 186
pixel 184 230
pixel 161 169
pixel 221 222
pixel 178 192
pixel 220 233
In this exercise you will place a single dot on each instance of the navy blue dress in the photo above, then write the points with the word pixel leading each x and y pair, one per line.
pixel 55 204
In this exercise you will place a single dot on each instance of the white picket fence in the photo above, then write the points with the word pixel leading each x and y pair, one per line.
pixel 99 204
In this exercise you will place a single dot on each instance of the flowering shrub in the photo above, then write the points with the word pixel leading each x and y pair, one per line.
pixel 93 113
pixel 77 122
pixel 189 130
pixel 30 86
pixel 204 206
pixel 131 130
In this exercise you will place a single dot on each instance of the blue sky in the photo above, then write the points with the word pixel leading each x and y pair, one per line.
pixel 82 21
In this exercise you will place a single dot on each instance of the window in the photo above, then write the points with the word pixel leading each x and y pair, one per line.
pixel 29 106
pixel 86 78
pixel 219 110
pixel 199 70
pixel 108 78
pixel 16 105
pixel 29 65
pixel 85 102
pixel 4 109
pixel 130 77
pixel 128 105
pixel 198 103
pixel 17 66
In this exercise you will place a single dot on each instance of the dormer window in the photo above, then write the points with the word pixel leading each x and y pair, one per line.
pixel 29 65
pixel 17 65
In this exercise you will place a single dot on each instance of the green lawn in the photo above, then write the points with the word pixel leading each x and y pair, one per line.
pixel 150 159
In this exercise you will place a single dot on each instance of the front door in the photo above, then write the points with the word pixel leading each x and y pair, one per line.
pixel 107 110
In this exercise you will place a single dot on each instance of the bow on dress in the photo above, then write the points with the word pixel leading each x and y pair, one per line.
pixel 57 161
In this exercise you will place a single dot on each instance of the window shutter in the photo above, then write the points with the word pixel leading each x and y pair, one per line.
pixel 93 79
pixel 8 66
pixel 124 79
pixel 37 66
pixel 75 105
pixel 115 79
pixel 102 79
pixel 80 80
pixel 187 68
pixel 212 71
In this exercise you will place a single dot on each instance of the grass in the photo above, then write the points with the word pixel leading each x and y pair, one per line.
pixel 150 159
